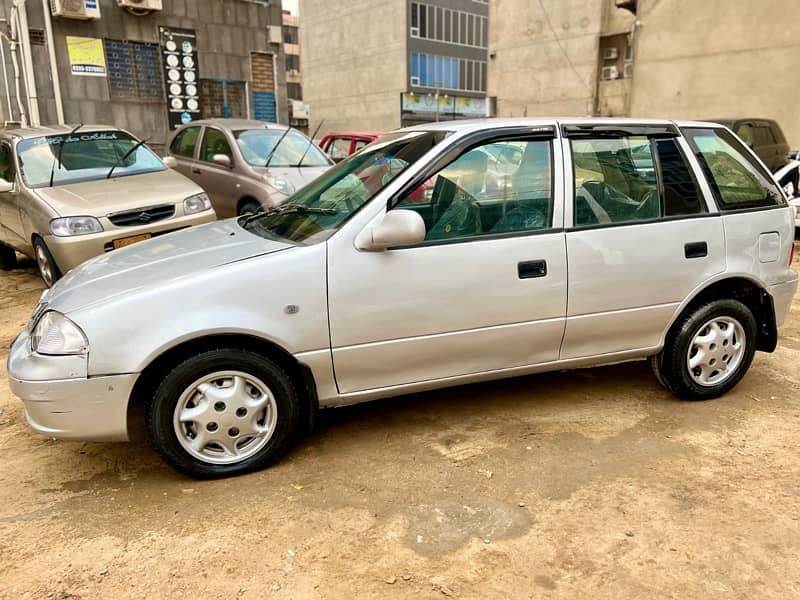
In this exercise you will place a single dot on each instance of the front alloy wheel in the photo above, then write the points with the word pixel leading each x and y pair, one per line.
pixel 48 269
pixel 223 412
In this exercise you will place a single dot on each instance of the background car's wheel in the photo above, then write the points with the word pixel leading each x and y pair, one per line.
pixel 223 412
pixel 709 350
pixel 8 258
pixel 249 207
pixel 48 268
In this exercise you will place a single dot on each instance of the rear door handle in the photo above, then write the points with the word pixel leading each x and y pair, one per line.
pixel 695 249
pixel 196 171
pixel 531 269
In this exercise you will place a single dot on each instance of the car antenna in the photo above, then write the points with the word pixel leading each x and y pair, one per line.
pixel 310 143
pixel 60 150
pixel 275 147
pixel 127 154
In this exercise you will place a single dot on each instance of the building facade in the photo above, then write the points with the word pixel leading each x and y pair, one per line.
pixel 374 66
pixel 148 72
pixel 645 58
pixel 298 110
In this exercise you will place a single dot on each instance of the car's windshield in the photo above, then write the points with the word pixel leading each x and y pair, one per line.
pixel 257 144
pixel 313 213
pixel 84 157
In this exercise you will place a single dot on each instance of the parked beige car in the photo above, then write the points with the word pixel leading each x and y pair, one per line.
pixel 245 165
pixel 70 193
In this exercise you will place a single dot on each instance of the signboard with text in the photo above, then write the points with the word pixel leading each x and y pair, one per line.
pixel 179 53
pixel 86 56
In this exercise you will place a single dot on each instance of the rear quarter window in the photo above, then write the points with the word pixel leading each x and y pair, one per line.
pixel 735 177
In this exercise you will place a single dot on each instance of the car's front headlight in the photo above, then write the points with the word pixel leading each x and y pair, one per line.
pixel 55 334
pixel 195 204
pixel 280 184
pixel 69 226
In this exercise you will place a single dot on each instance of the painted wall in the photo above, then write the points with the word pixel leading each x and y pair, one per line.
pixel 353 63
pixel 719 58
pixel 227 31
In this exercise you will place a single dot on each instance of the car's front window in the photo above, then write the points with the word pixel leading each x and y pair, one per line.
pixel 83 157
pixel 256 145
pixel 313 213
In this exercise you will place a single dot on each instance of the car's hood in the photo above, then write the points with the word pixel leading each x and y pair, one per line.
pixel 158 261
pixel 105 196
pixel 297 176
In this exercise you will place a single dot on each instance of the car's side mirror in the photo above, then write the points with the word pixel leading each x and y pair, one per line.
pixel 170 161
pixel 399 227
pixel 789 190
pixel 222 159
pixel 5 186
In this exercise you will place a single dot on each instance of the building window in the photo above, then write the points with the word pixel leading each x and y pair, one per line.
pixel 447 73
pixel 448 25
pixel 290 35
pixel 294 91
pixel 134 70
pixel 292 62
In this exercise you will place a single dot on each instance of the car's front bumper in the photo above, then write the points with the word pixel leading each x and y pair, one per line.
pixel 61 401
pixel 69 252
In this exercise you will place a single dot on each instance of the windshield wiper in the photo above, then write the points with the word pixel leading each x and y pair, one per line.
pixel 127 154
pixel 289 207
pixel 60 151
pixel 275 147
pixel 310 143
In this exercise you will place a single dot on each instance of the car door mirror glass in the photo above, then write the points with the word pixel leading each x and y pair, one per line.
pixel 222 159
pixel 5 186
pixel 170 162
pixel 398 228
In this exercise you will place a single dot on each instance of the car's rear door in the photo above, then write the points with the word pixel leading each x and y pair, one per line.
pixel 641 236
pixel 184 149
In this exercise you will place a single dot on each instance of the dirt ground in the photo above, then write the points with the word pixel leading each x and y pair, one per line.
pixel 593 483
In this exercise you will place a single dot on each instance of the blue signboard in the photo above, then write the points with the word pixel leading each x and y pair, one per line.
pixel 264 106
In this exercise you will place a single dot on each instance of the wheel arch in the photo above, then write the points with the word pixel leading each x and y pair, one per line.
pixel 244 200
pixel 746 289
pixel 153 373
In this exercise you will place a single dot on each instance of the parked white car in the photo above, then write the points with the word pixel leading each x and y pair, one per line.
pixel 230 336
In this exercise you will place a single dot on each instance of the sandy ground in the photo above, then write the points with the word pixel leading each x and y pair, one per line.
pixel 594 483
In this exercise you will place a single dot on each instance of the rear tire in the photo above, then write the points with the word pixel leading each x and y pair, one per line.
pixel 48 269
pixel 708 350
pixel 8 258
pixel 223 412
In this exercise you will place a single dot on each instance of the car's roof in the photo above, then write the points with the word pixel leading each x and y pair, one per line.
pixel 237 124
pixel 32 132
pixel 370 134
pixel 467 125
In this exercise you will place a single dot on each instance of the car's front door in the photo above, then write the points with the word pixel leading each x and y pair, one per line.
pixel 11 228
pixel 184 148
pixel 486 291
pixel 642 237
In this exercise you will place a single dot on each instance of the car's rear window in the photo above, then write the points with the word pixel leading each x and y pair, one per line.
pixel 736 178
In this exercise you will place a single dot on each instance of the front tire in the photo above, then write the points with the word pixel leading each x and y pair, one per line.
pixel 249 207
pixel 48 269
pixel 223 412
pixel 708 350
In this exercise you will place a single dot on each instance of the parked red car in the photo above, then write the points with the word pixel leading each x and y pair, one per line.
pixel 341 145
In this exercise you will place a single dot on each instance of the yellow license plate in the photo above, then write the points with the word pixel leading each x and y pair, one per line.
pixel 131 240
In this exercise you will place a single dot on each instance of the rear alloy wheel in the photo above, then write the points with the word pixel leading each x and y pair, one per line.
pixel 48 268
pixel 8 258
pixel 223 412
pixel 709 350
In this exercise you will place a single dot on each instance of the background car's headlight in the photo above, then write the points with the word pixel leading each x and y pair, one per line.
pixel 67 226
pixel 280 184
pixel 195 204
pixel 56 334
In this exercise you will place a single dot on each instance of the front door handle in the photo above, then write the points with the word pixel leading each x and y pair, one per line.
pixel 531 269
pixel 695 249
pixel 196 171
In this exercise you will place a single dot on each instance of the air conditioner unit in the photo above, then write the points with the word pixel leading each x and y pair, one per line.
pixel 275 34
pixel 75 9
pixel 141 7
pixel 627 71
pixel 610 54
pixel 609 73
pixel 293 72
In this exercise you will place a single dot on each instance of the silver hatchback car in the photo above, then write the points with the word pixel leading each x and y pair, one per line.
pixel 245 165
pixel 418 264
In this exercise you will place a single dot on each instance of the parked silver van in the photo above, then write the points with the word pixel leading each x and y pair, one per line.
pixel 416 264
